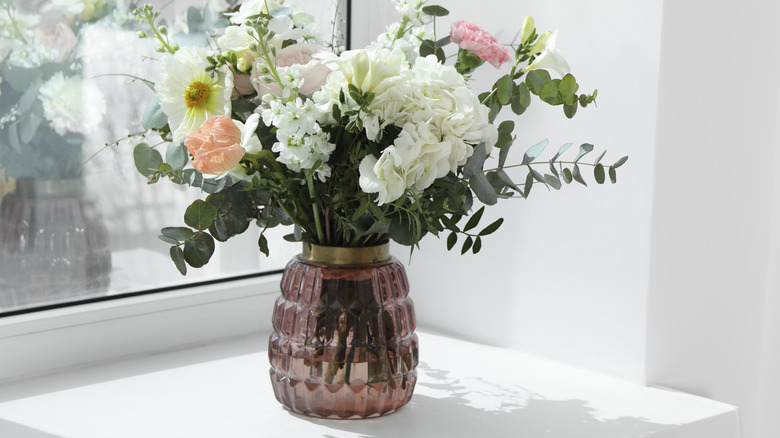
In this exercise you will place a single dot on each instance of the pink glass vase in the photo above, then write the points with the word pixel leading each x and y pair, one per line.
pixel 343 344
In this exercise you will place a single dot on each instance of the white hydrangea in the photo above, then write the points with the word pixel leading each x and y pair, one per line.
pixel 441 119
pixel 71 104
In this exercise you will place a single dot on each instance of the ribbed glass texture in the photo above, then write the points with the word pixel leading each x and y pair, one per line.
pixel 343 344
pixel 52 248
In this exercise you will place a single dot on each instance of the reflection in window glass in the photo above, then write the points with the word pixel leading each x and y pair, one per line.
pixel 72 86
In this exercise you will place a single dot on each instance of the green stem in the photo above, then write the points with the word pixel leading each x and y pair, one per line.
pixel 315 207
pixel 536 163
pixel 8 9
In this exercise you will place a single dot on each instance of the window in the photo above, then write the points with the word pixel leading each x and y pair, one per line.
pixel 72 91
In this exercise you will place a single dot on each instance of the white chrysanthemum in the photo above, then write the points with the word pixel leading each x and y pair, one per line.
pixel 71 105
pixel 188 94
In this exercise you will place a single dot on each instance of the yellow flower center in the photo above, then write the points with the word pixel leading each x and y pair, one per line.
pixel 196 94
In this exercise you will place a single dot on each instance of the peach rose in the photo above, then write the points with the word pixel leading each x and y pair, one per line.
pixel 307 58
pixel 216 146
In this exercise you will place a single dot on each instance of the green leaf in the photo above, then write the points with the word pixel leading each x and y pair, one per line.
pixel 529 182
pixel 167 240
pixel 578 176
pixel 534 151
pixel 427 47
pixel 147 160
pixel 474 219
pixel 585 148
pixel 490 229
pixel 504 177
pixel 199 249
pixel 482 188
pixel 29 126
pixel 29 97
pixel 436 11
pixel 154 117
pixel 552 181
pixel 200 215
pixel 13 137
pixel 524 96
pixel 176 156
pixel 477 245
pixel 620 162
pixel 177 255
pixel 442 42
pixel 537 80
pixel 568 86
pixel 218 229
pixel 504 89
pixel 570 110
pixel 550 94
pixel 20 79
pixel 598 160
pixel 475 162
pixel 567 176
pixel 466 245
pixel 452 239
pixel 262 243
pixel 401 230
pixel 598 173
pixel 179 234
pixel 612 174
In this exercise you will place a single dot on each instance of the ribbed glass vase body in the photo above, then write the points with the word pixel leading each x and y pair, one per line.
pixel 343 344
pixel 53 247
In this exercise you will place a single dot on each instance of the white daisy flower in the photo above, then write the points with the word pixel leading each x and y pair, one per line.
pixel 188 94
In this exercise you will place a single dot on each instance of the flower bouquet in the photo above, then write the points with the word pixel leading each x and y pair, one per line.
pixel 281 126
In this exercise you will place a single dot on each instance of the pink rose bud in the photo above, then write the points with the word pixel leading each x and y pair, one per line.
pixel 216 146
pixel 470 37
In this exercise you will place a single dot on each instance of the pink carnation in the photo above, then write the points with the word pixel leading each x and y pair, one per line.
pixel 470 37
pixel 216 146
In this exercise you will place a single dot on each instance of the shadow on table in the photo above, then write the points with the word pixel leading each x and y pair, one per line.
pixel 15 430
pixel 473 407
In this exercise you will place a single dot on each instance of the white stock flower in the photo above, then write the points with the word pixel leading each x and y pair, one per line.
pixel 71 105
pixel 550 58
pixel 188 94
pixel 301 143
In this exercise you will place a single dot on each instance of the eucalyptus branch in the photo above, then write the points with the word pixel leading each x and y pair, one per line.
pixel 536 163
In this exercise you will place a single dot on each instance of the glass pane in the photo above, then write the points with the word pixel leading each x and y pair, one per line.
pixel 71 88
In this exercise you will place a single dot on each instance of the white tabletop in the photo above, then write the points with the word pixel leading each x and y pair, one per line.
pixel 464 390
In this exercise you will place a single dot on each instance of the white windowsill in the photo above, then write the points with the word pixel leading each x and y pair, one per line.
pixel 464 390
pixel 46 342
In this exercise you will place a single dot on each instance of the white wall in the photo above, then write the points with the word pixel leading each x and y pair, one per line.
pixel 566 276
pixel 673 273
pixel 713 308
